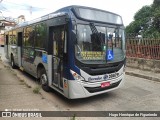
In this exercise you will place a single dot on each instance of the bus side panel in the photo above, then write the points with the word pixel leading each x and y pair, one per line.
pixel 20 37
pixel 39 60
pixel 2 40
pixel 49 57
pixel 6 47
pixel 9 52
pixel 28 60
pixel 14 52
pixel 19 57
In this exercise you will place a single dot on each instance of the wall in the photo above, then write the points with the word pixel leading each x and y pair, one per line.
pixel 144 64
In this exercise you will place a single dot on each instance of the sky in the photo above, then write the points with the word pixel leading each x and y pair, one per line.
pixel 125 8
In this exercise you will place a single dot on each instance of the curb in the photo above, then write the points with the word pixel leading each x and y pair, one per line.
pixel 143 76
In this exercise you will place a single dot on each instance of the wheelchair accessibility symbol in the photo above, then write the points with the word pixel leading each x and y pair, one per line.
pixel 109 55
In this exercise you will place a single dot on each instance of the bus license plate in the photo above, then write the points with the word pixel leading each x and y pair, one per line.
pixel 105 84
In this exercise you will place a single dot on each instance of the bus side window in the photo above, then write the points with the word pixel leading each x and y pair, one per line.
pixel 14 38
pixel 10 38
pixel 41 33
pixel 29 36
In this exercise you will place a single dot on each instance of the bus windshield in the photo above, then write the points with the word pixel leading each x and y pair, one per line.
pixel 99 44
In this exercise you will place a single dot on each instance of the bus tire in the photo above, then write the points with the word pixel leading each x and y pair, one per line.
pixel 44 80
pixel 12 62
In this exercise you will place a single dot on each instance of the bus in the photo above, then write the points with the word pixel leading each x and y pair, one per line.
pixel 78 51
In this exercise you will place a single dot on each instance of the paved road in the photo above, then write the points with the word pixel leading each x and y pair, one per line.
pixel 137 94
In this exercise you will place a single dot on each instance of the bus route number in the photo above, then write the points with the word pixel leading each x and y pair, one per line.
pixel 113 75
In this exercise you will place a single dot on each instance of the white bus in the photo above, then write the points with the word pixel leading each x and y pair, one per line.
pixel 77 51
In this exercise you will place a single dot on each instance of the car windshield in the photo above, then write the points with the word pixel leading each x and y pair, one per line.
pixel 99 45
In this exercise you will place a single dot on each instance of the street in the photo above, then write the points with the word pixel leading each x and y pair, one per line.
pixel 137 94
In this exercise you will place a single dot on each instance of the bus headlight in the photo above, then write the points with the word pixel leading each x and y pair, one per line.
pixel 76 76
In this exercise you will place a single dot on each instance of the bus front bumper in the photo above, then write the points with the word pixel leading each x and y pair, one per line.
pixel 82 89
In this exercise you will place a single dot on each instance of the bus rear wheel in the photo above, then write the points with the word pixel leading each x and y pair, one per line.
pixel 44 80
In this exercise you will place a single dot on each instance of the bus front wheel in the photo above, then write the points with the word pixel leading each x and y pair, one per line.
pixel 44 80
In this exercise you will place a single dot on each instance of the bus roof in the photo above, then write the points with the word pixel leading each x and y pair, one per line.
pixel 93 14
pixel 67 10
pixel 105 16
pixel 78 6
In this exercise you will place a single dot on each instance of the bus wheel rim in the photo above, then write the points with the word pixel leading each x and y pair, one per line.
pixel 43 79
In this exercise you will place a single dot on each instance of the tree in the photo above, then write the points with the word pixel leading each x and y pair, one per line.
pixel 156 2
pixel 140 20
pixel 148 18
pixel 144 12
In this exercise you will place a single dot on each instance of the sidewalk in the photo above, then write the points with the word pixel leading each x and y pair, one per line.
pixel 143 74
pixel 17 95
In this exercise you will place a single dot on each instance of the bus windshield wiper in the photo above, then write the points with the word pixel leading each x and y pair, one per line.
pixel 95 31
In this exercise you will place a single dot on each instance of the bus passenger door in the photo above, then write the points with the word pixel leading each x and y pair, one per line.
pixel 58 37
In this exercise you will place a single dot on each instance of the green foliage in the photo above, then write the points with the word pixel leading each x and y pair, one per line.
pixel 74 117
pixel 133 27
pixel 143 13
pixel 146 21
pixel 36 90
pixel 156 2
